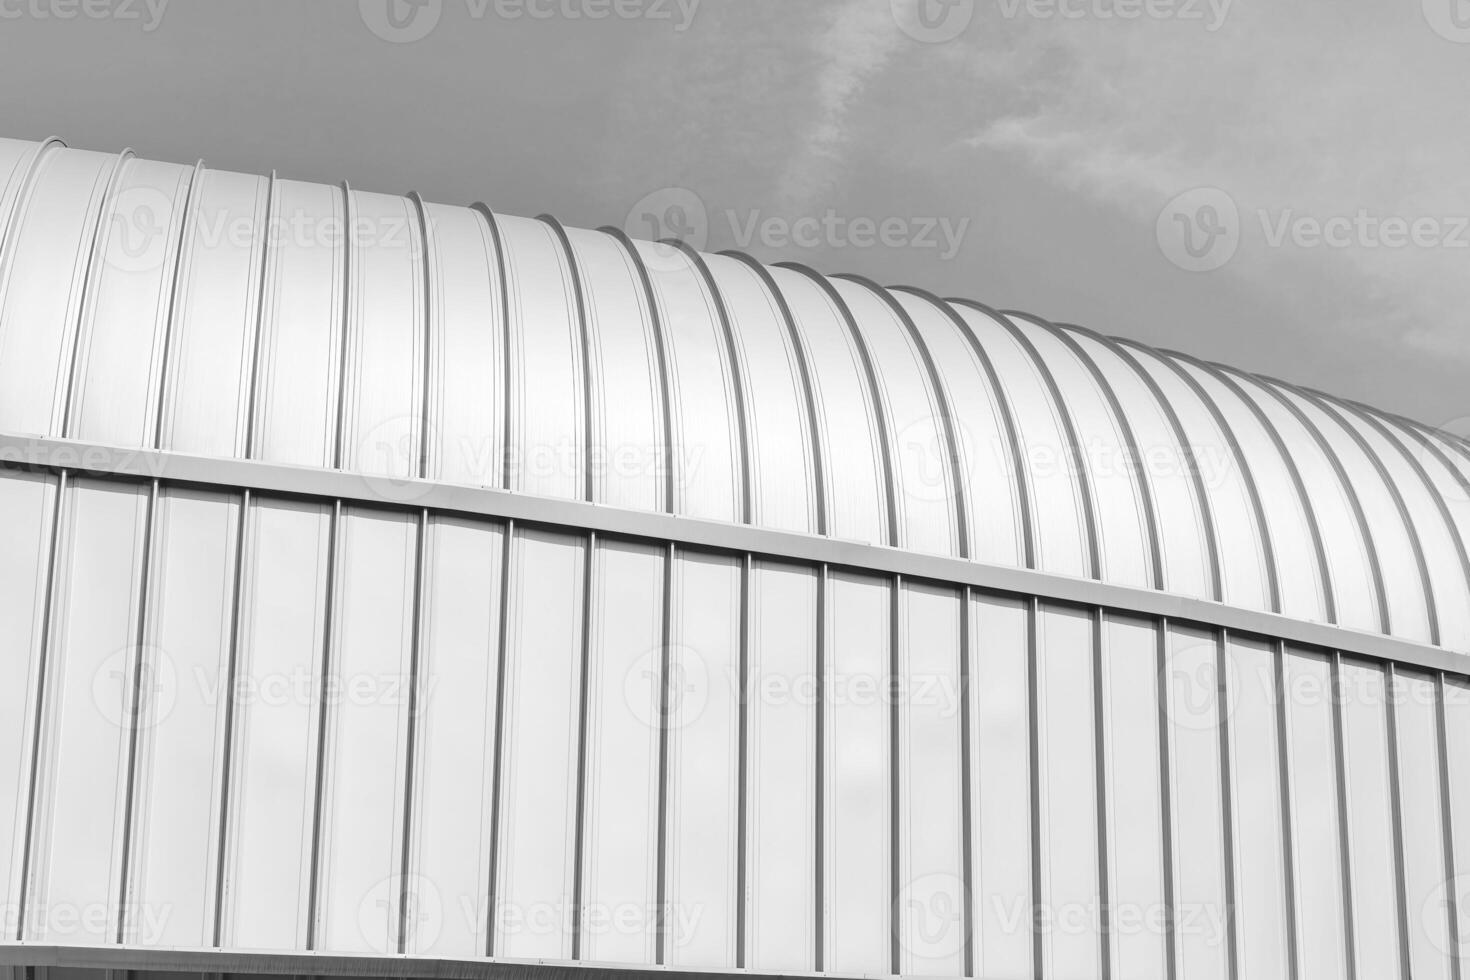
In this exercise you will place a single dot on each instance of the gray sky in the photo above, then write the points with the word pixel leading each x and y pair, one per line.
pixel 1027 153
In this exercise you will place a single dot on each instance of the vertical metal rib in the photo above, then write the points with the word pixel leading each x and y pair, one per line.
pixel 1447 826
pixel 967 814
pixel 501 655
pixel 579 292
pixel 33 777
pixel 88 299
pixel 329 631
pixel 1166 792
pixel 882 417
pixel 1033 748
pixel 742 815
pixel 664 671
pixel 737 376
pixel 1396 805
pixel 809 398
pixel 1136 460
pixel 579 827
pixel 1288 829
pixel 348 320
pixel 896 664
pixel 182 255
pixel 11 229
pixel 508 351
pixel 227 749
pixel 946 410
pixel 426 378
pixel 134 694
pixel 1227 806
pixel 661 348
pixel 1344 820
pixel 1375 568
pixel 1069 430
pixel 405 896
pixel 1007 417
pixel 252 392
pixel 1100 782
pixel 1186 451
pixel 819 892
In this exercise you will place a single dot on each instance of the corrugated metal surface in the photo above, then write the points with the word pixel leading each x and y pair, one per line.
pixel 238 719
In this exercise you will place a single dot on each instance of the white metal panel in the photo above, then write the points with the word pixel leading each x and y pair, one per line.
pixel 850 449
pixel 76 850
pixel 1417 722
pixel 211 357
pixel 124 329
pixel 368 691
pixel 1321 942
pixel 1261 915
pixel 182 689
pixel 860 896
pixel 1123 533
pixel 1371 858
pixel 781 754
pixel 16 159
pixel 783 471
pixel 1244 578
pixel 301 327
pixel 620 817
pixel 466 350
pixel 987 467
pixel 706 450
pixel 1195 717
pixel 922 469
pixel 1131 709
pixel 931 885
pixel 629 462
pixel 1069 899
pixel 383 404
pixel 1296 559
pixel 547 442
pixel 1061 538
pixel 45 271
pixel 705 696
pixel 1000 786
pixel 1455 892
pixel 454 762
pixel 283 597
pixel 543 658
pixel 27 510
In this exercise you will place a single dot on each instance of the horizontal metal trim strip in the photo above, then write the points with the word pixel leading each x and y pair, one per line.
pixel 235 475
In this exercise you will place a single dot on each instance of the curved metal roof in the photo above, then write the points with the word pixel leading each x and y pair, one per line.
pixel 152 305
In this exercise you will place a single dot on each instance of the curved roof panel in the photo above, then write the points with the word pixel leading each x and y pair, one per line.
pixel 152 305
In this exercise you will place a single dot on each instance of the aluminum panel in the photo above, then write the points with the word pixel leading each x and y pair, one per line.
pixel 860 897
pixel 383 398
pixel 183 686
pixel 855 491
pixel 1066 770
pixel 283 622
pixel 986 466
pixel 535 849
pixel 454 760
pixel 546 448
pixel 76 848
pixel 17 157
pixel 922 469
pixel 1061 537
pixel 624 715
pixel 207 392
pixel 781 769
pixel 45 271
pixel 125 323
pixel 1000 780
pixel 27 513
pixel 706 450
pixel 1315 838
pixel 1416 714
pixel 466 350
pixel 783 469
pixel 704 715
pixel 296 399
pixel 931 874
pixel 1455 892
pixel 1129 675
pixel 630 464
pixel 1372 860
pixel 367 688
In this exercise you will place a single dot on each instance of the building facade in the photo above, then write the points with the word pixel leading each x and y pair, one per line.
pixel 397 589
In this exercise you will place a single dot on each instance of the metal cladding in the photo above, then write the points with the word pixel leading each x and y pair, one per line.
pixel 382 577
